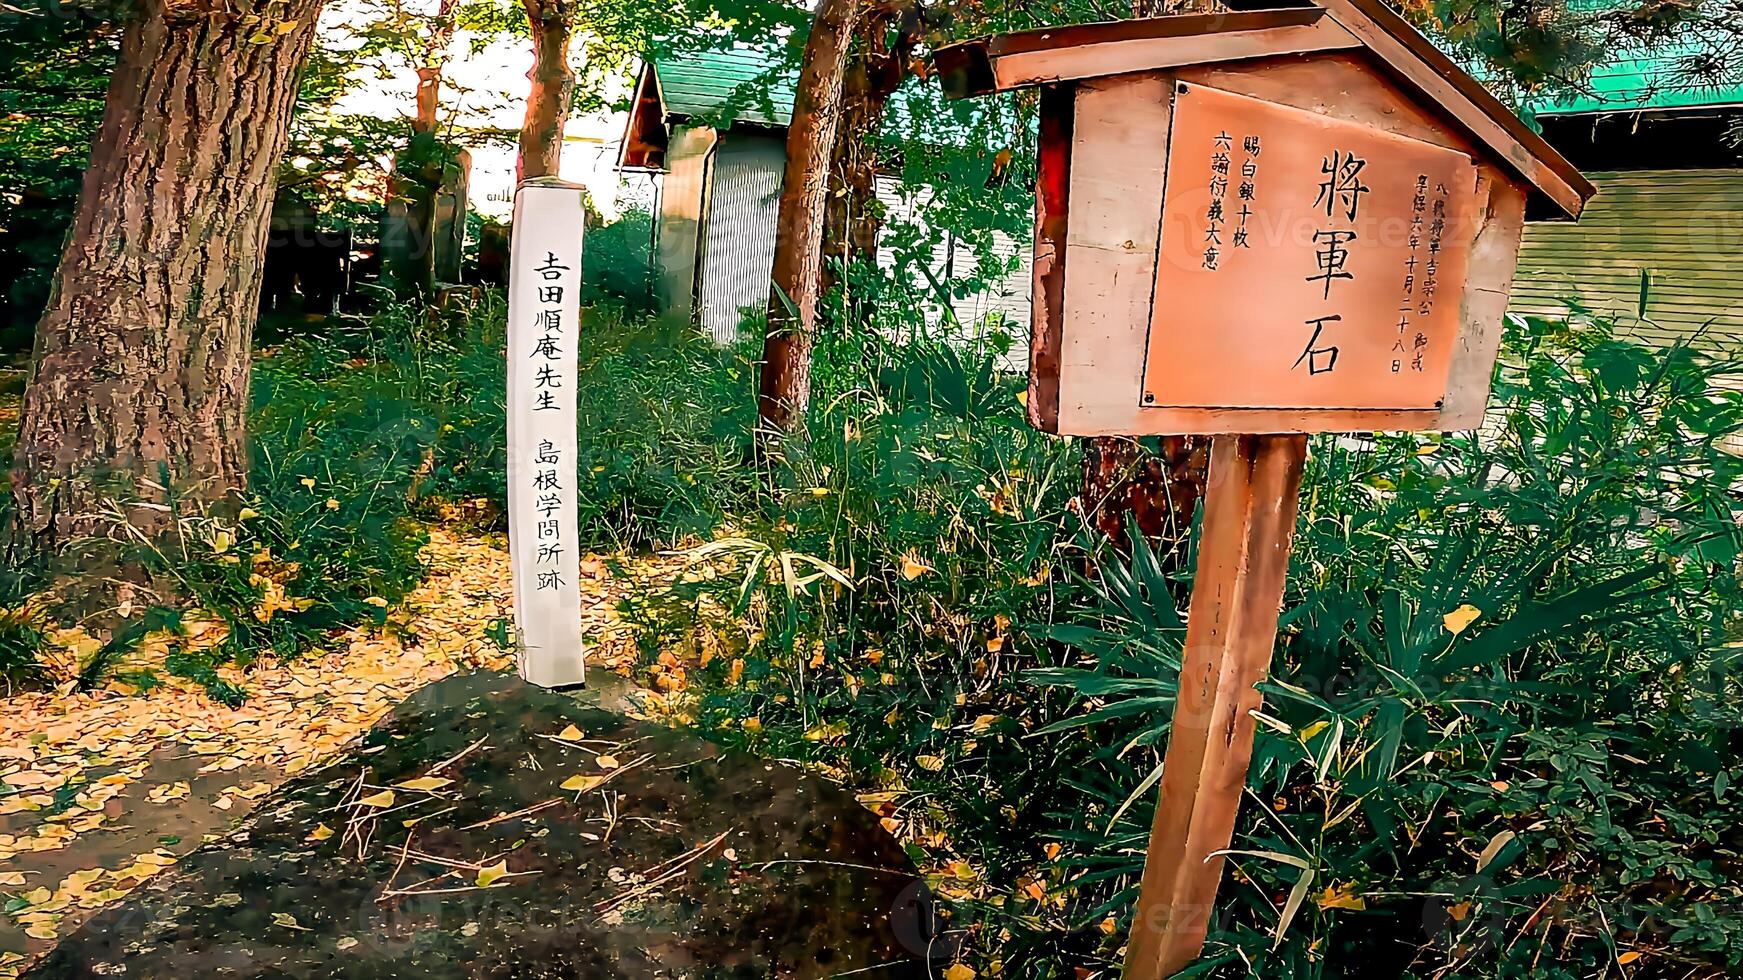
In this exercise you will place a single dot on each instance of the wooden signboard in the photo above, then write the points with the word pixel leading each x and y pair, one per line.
pixel 1256 225
pixel 1306 262
pixel 544 320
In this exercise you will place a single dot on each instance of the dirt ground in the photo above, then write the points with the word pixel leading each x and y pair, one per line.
pixel 102 791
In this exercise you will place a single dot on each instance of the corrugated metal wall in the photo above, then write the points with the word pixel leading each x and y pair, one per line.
pixel 1682 228
pixel 739 232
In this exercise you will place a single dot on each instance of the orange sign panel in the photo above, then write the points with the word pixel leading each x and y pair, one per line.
pixel 1305 262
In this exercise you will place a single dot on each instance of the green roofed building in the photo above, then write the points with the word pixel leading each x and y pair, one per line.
pixel 1659 248
pixel 712 127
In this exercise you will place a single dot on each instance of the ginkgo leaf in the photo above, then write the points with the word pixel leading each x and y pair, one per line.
pixel 959 971
pixel 570 734
pixel 489 876
pixel 913 568
pixel 381 799
pixel 1460 618
pixel 607 761
pixel 289 921
pixel 929 762
pixel 424 784
pixel 581 784
pixel 321 832
pixel 1342 897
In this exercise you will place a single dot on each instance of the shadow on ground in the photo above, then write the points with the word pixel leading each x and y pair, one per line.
pixel 539 836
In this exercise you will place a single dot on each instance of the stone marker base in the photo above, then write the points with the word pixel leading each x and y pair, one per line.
pixel 537 858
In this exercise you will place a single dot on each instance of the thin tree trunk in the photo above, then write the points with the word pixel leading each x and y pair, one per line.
pixel 142 357
pixel 1121 480
pixel 428 95
pixel 408 233
pixel 785 388
pixel 874 72
pixel 553 83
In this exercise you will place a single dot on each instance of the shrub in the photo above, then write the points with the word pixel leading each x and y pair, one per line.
pixel 619 264
pixel 1502 727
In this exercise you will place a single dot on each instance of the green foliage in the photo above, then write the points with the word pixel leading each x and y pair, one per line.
pixel 1549 47
pixel 55 61
pixel 620 264
pixel 22 638
pixel 663 419
pixel 1559 767
pixel 1441 796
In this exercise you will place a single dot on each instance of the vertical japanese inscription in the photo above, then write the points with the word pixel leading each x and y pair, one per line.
pixel 550 350
pixel 543 315
pixel 1300 260
pixel 1341 195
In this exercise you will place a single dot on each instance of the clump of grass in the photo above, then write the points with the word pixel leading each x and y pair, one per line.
pixel 1561 767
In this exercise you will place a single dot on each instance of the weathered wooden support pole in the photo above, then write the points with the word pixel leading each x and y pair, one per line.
pixel 1237 594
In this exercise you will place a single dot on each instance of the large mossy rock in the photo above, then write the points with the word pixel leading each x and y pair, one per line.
pixel 685 862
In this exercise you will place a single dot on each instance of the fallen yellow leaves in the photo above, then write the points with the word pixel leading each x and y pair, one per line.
pixel 1342 896
pixel 489 876
pixel 167 793
pixel 581 784
pixel 66 756
pixel 1461 618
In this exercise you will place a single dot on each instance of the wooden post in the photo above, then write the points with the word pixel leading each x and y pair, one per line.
pixel 1237 594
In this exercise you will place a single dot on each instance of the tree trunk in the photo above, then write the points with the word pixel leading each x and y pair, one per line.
pixel 142 357
pixel 408 237
pixel 1120 478
pixel 874 72
pixel 786 374
pixel 1159 491
pixel 408 233
pixel 553 82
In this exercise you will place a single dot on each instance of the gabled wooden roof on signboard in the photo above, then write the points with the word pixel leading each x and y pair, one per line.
pixel 1039 57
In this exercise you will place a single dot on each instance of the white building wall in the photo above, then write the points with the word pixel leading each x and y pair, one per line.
pixel 739 204
pixel 1007 303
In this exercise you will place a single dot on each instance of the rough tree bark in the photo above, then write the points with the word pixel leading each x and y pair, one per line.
pixel 1121 479
pixel 876 68
pixel 785 387
pixel 552 23
pixel 142 356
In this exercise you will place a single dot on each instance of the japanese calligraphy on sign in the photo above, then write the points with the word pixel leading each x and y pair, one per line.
pixel 543 324
pixel 1303 261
